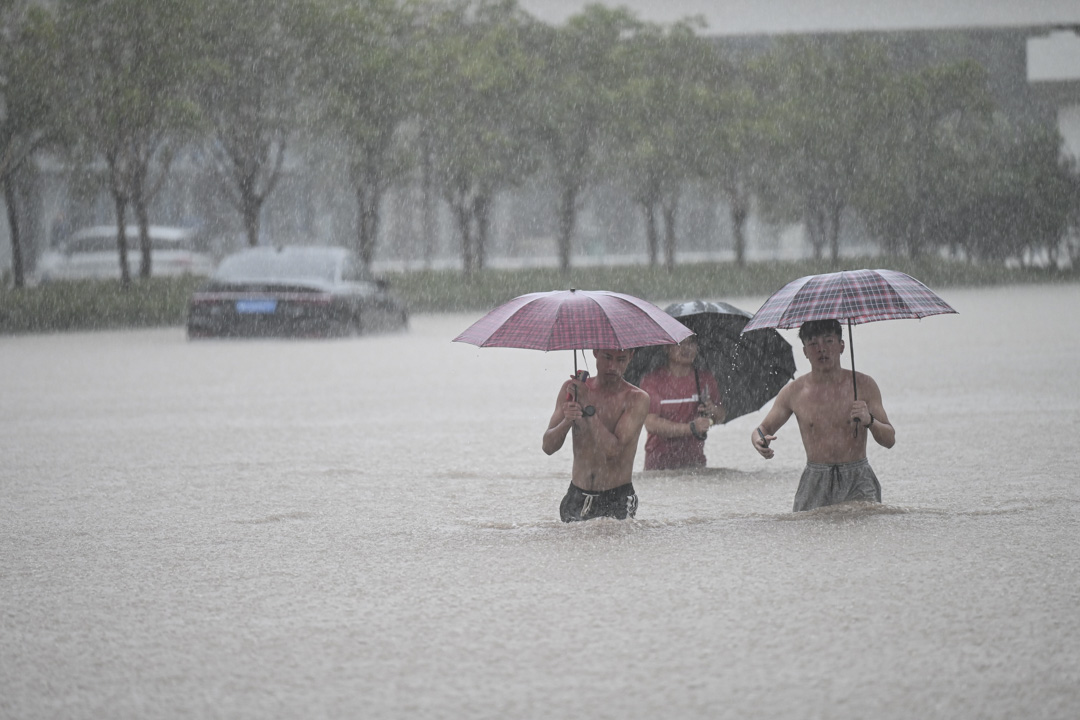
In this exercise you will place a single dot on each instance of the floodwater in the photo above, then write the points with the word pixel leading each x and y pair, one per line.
pixel 367 528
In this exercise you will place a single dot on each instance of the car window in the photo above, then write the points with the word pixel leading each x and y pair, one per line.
pixel 95 243
pixel 105 243
pixel 278 266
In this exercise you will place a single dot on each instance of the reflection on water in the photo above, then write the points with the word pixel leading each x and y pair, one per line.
pixel 369 528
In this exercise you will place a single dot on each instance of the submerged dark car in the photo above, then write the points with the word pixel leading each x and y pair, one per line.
pixel 293 291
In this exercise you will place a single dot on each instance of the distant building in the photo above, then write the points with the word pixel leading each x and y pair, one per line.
pixel 1053 70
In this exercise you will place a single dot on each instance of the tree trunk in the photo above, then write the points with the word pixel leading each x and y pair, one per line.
pixel 815 228
pixel 121 239
pixel 17 268
pixel 250 209
pixel 367 200
pixel 463 217
pixel 652 239
pixel 428 186
pixel 567 221
pixel 740 210
pixel 482 215
pixel 669 234
pixel 834 231
pixel 142 216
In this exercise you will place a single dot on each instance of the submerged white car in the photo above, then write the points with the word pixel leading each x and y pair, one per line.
pixel 91 253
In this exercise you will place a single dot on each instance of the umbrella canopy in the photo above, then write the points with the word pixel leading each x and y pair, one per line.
pixel 750 369
pixel 854 296
pixel 575 320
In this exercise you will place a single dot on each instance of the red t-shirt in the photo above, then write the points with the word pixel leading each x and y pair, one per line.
pixel 676 399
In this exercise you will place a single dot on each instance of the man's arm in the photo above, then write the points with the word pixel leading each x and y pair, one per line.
pixel 779 414
pixel 627 429
pixel 566 411
pixel 671 429
pixel 871 413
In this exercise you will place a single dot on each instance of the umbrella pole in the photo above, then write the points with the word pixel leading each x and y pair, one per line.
pixel 851 348
pixel 575 375
pixel 854 385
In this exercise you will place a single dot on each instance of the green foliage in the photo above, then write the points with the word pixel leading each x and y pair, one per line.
pixel 826 98
pixel 357 58
pixel 128 75
pixel 573 104
pixel 469 98
pixel 158 302
pixel 475 65
pixel 443 291
pixel 95 305
pixel 247 80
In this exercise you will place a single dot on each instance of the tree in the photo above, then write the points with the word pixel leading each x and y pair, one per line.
pixel 659 110
pixel 30 113
pixel 928 155
pixel 130 61
pixel 574 104
pixel 736 138
pixel 828 100
pixel 475 65
pixel 358 54
pixel 250 96
pixel 1021 204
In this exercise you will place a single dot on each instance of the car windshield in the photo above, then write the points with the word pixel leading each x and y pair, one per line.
pixel 107 243
pixel 278 266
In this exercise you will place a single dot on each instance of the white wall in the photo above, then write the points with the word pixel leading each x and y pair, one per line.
pixel 751 17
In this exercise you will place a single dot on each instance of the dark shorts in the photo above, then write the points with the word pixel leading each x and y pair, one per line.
pixel 822 485
pixel 620 503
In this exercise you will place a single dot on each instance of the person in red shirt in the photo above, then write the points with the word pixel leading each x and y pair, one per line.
pixel 684 402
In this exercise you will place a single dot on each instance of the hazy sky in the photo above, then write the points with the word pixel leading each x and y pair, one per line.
pixel 741 17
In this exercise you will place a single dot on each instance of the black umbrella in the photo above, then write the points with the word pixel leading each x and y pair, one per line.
pixel 750 369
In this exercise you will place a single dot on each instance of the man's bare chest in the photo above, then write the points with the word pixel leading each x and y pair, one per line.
pixel 823 406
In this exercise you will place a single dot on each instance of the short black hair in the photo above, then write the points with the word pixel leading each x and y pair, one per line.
pixel 814 328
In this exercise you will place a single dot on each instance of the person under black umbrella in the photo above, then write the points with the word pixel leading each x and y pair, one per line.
pixel 684 403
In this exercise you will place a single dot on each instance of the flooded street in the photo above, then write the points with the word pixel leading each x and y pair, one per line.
pixel 368 528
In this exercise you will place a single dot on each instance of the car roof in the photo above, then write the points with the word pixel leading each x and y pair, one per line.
pixel 296 250
pixel 162 232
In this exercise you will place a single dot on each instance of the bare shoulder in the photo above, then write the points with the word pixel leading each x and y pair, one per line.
pixel 792 389
pixel 865 381
pixel 634 393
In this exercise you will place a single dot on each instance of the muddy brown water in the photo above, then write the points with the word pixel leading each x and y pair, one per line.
pixel 368 528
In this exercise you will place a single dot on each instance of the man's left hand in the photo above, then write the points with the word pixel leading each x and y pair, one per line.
pixel 860 412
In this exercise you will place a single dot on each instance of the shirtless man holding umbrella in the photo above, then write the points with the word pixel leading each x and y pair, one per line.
pixel 605 414
pixel 833 425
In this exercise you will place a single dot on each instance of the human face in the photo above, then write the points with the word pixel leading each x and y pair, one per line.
pixel 684 353
pixel 823 350
pixel 611 364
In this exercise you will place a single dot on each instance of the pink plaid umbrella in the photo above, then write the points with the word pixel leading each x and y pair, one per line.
pixel 857 296
pixel 575 320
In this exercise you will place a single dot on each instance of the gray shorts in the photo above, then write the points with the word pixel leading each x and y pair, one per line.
pixel 822 485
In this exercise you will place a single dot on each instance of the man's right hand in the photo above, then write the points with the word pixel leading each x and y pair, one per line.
pixel 701 425
pixel 572 410
pixel 761 443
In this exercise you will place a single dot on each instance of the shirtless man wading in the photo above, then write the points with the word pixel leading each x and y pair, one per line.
pixel 605 414
pixel 834 425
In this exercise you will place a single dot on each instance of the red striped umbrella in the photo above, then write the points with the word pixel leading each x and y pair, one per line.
pixel 854 296
pixel 575 320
